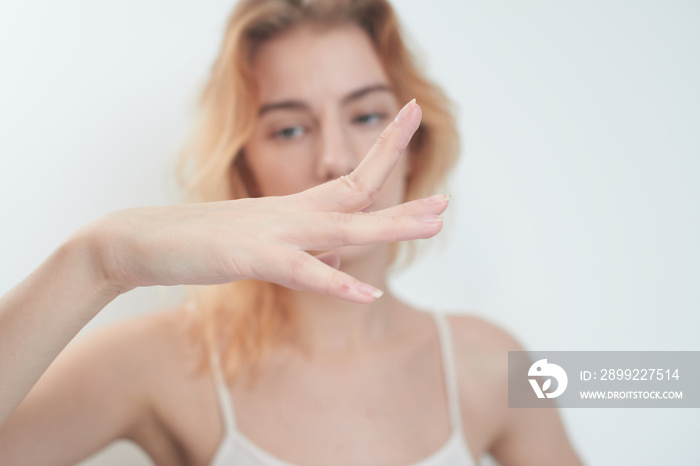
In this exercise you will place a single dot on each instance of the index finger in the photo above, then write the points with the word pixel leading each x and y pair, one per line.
pixel 357 190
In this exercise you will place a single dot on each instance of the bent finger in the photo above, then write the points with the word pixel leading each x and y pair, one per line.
pixel 358 189
pixel 299 270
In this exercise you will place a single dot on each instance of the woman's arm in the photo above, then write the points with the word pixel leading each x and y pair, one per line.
pixel 44 312
pixel 262 238
pixel 99 389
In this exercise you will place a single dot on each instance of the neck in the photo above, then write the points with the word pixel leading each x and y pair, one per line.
pixel 330 326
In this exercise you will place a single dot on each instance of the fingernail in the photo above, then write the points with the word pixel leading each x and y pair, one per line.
pixel 369 290
pixel 437 198
pixel 405 110
pixel 429 218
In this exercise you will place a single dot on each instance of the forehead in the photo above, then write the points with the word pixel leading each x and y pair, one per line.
pixel 316 64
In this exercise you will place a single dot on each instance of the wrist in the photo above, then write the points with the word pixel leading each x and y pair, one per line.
pixel 92 251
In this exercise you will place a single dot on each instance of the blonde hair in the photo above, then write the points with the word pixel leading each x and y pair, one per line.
pixel 243 320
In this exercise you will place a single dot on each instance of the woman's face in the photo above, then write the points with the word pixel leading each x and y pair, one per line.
pixel 324 100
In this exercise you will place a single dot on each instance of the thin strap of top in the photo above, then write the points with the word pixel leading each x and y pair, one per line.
pixel 449 368
pixel 222 392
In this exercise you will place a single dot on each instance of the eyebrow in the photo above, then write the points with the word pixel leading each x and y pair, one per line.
pixel 300 105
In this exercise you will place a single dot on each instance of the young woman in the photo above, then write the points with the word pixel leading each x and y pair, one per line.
pixel 270 367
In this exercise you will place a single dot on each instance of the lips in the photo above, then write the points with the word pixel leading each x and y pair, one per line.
pixel 368 208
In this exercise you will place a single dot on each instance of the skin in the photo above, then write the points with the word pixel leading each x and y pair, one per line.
pixel 352 375
pixel 315 127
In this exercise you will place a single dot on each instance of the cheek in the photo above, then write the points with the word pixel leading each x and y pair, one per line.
pixel 276 174
pixel 363 140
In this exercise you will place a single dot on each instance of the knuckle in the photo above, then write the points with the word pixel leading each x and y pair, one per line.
pixel 340 219
pixel 386 143
pixel 335 284
pixel 382 140
pixel 340 222
pixel 358 188
pixel 397 229
pixel 353 182
pixel 389 230
pixel 298 264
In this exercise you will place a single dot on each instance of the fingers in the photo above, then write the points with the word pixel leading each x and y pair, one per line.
pixel 357 190
pixel 299 270
pixel 328 230
pixel 434 205
pixel 412 220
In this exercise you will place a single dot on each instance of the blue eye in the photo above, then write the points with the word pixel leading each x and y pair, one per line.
pixel 291 132
pixel 370 119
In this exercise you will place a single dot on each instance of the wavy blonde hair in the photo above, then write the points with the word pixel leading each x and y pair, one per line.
pixel 242 321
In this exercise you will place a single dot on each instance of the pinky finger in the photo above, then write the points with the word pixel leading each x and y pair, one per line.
pixel 300 270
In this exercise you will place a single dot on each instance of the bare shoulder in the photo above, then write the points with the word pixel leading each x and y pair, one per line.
pixel 144 357
pixel 481 363
pixel 172 389
pixel 160 333
pixel 123 360
pixel 136 346
pixel 512 436
pixel 474 332
pixel 481 349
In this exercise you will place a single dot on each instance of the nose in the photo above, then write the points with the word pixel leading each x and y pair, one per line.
pixel 336 155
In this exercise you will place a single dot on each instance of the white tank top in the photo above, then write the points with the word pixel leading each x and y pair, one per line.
pixel 238 450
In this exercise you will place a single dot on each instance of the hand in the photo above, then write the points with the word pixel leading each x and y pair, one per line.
pixel 267 238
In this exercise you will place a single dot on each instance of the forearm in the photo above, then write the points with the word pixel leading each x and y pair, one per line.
pixel 40 315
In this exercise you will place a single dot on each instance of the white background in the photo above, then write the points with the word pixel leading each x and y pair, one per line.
pixel 574 221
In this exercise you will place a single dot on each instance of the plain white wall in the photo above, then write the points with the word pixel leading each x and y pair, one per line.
pixel 575 216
